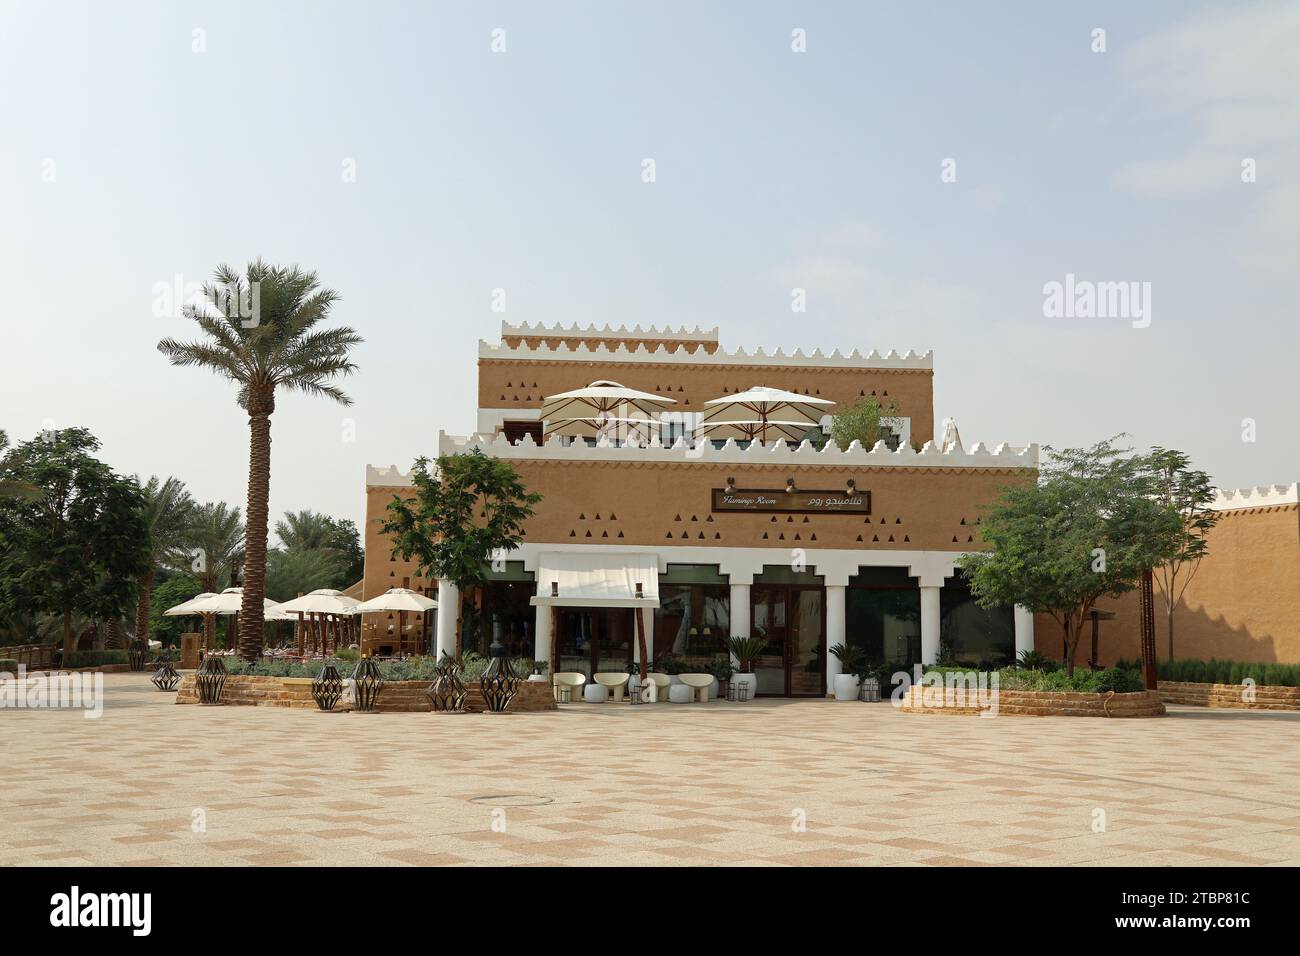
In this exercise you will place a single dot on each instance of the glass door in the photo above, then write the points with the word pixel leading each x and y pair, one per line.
pixel 792 621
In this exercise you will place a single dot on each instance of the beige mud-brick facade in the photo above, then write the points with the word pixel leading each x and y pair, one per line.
pixel 884 579
pixel 803 579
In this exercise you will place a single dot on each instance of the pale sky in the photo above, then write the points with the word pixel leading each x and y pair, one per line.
pixel 128 158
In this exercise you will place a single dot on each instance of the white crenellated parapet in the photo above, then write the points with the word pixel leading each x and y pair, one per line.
pixel 680 354
pixel 524 330
pixel 390 477
pixel 930 456
pixel 1263 496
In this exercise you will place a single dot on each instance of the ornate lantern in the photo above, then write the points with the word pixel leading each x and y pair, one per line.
pixel 165 678
pixel 499 683
pixel 327 687
pixel 447 692
pixel 135 654
pixel 367 683
pixel 210 680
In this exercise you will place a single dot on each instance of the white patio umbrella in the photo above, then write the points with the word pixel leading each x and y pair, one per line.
pixel 399 600
pixel 190 606
pixel 601 399
pixel 323 601
pixel 228 602
pixel 604 426
pixel 752 413
pixel 751 429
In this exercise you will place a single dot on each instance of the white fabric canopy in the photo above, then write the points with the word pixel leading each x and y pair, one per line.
pixel 396 599
pixel 190 606
pixel 229 601
pixel 321 601
pixel 750 414
pixel 599 400
pixel 607 579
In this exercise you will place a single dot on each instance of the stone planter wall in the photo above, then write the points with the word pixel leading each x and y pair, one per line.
pixel 1034 703
pixel 1267 697
pixel 401 696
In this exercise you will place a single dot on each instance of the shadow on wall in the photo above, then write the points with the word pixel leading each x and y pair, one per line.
pixel 1197 636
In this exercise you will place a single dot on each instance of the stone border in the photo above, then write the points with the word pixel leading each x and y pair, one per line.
pixel 1267 696
pixel 1038 703
pixel 398 696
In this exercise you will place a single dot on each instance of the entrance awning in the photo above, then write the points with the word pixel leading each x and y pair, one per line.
pixel 570 579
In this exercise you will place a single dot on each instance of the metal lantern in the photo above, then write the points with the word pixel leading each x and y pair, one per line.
pixel 447 693
pixel 870 690
pixel 210 680
pixel 135 654
pixel 367 683
pixel 165 678
pixel 327 687
pixel 499 683
pixel 732 691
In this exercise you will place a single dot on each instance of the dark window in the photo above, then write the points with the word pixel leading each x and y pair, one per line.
pixel 882 611
pixel 970 634
pixel 515 431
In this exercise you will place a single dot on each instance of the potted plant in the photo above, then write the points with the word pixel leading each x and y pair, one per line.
pixel 538 676
pixel 721 669
pixel 746 651
pixel 847 682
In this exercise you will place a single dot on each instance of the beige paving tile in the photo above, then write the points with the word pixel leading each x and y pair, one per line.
pixel 654 786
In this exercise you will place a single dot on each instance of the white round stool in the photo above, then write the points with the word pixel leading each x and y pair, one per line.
pixel 679 694
pixel 595 694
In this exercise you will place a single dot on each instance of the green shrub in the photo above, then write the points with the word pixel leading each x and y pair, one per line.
pixel 94 658
pixel 8 666
pixel 1120 680
pixel 1216 671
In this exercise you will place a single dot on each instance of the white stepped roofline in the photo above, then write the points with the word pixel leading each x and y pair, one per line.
pixel 609 332
pixel 1262 496
pixel 930 456
pixel 679 354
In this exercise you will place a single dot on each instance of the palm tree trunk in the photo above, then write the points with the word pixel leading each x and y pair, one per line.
pixel 142 607
pixel 259 490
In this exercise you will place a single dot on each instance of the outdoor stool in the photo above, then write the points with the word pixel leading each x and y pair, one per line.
pixel 595 694
pixel 680 694
pixel 698 685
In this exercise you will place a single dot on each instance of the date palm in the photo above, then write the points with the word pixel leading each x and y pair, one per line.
pixel 168 510
pixel 262 333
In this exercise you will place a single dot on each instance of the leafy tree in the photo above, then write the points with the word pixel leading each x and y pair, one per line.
pixel 15 489
pixel 466 511
pixel 217 534
pixel 168 593
pixel 1090 526
pixel 311 530
pixel 295 571
pixel 276 346
pixel 1189 493
pixel 168 515
pixel 82 546
pixel 863 423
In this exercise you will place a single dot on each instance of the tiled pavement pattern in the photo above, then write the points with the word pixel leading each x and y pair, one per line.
pixel 654 785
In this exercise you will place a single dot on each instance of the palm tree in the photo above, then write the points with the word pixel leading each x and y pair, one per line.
pixel 168 513
pixel 274 344
pixel 217 531
pixel 305 530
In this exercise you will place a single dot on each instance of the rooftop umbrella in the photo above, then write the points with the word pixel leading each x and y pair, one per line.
pixel 753 412
pixel 605 426
pixel 749 430
pixel 600 400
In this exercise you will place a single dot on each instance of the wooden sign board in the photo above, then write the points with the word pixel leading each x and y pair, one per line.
pixel 780 501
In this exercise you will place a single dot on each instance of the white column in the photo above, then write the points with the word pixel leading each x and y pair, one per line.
pixel 930 614
pixel 542 633
pixel 834 632
pixel 1024 619
pixel 739 614
pixel 448 604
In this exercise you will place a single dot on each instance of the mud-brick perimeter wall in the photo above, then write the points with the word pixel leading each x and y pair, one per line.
pixel 522 384
pixel 1242 604
pixel 668 504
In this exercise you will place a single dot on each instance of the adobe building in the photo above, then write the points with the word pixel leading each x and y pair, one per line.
pixel 805 547
pixel 705 538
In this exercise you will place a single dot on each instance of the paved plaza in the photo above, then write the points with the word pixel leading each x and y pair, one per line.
pixel 769 782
